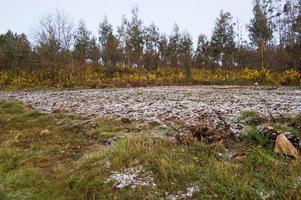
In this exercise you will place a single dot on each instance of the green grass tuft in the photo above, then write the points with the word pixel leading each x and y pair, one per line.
pixel 253 135
pixel 251 117
pixel 12 107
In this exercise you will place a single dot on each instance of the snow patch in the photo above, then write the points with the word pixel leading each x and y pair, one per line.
pixel 133 177
pixel 190 191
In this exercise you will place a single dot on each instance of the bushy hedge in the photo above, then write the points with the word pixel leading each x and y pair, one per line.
pixel 93 77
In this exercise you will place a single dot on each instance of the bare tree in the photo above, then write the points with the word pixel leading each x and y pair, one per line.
pixel 57 28
pixel 53 39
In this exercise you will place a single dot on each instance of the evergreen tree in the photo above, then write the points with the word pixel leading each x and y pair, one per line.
pixel 109 46
pixel 131 37
pixel 222 40
pixel 260 28
pixel 202 53
pixel 15 51
pixel 185 50
pixel 82 43
pixel 152 44
pixel 163 50
pixel 297 37
pixel 94 52
pixel 174 47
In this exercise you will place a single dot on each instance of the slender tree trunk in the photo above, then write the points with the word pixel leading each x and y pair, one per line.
pixel 262 56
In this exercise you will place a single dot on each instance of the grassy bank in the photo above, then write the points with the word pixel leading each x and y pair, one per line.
pixel 93 77
pixel 60 156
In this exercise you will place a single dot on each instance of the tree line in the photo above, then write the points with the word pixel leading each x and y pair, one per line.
pixel 274 43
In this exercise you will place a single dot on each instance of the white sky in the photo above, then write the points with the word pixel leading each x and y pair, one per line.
pixel 194 16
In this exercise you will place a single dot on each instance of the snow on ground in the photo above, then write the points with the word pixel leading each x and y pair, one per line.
pixel 134 177
pixel 190 191
pixel 165 103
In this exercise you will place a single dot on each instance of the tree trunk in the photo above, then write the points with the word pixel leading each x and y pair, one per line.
pixel 262 56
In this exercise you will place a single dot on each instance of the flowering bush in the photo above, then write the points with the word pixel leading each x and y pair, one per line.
pixel 290 77
pixel 93 77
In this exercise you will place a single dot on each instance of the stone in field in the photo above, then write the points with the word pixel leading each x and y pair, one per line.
pixel 284 146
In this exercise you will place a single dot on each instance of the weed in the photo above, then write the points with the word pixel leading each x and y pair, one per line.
pixel 255 136
pixel 251 117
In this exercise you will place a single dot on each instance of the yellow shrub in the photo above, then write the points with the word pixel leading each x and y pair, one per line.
pixel 181 76
pixel 25 79
pixel 90 76
pixel 4 78
pixel 290 77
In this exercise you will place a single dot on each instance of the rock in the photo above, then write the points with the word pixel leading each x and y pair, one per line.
pixel 293 139
pixel 284 146
pixel 272 134
pixel 45 131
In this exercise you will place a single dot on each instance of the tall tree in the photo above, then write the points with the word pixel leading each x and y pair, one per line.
pixel 296 27
pixel 222 40
pixel 174 47
pixel 15 52
pixel 260 27
pixel 152 45
pixel 57 28
pixel 94 54
pixel 53 39
pixel 130 34
pixel 202 53
pixel 109 46
pixel 82 43
pixel 297 37
pixel 186 48
pixel 163 50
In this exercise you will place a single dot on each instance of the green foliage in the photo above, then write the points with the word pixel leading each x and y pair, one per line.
pixel 110 52
pixel 286 128
pixel 261 31
pixel 83 46
pixel 11 107
pixel 249 114
pixel 222 41
pixel 298 118
pixel 251 117
pixel 255 136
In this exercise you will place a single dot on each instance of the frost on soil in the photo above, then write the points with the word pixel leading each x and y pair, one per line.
pixel 190 191
pixel 163 104
pixel 133 177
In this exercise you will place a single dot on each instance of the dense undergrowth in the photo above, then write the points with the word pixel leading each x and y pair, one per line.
pixel 94 77
pixel 59 156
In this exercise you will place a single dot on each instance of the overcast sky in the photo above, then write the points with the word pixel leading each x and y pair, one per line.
pixel 194 16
